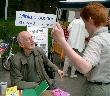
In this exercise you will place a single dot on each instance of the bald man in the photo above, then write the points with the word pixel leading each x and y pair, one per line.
pixel 27 68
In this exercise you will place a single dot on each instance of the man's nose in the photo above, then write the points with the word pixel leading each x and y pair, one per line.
pixel 31 39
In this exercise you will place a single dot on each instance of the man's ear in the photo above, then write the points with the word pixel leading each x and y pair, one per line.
pixel 91 21
pixel 21 45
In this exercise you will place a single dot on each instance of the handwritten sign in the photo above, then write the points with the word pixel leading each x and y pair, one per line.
pixel 40 37
pixel 12 91
pixel 34 19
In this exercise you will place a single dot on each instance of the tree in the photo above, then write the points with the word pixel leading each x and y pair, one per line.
pixel 2 8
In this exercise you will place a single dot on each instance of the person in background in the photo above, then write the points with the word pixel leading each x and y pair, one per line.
pixel 95 63
pixel 76 39
pixel 27 68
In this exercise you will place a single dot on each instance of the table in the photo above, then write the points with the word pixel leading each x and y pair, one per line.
pixel 46 93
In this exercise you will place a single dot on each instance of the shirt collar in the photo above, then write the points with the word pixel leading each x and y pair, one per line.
pixel 101 30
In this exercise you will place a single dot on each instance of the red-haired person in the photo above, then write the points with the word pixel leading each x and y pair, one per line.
pixel 95 63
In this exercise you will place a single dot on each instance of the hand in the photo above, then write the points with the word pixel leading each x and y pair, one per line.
pixel 61 73
pixel 57 32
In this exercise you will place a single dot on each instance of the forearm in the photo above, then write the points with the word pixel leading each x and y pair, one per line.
pixel 24 84
pixel 80 64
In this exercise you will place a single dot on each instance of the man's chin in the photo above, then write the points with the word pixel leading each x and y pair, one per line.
pixel 33 47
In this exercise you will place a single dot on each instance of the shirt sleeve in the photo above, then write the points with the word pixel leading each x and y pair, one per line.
pixel 93 51
pixel 47 61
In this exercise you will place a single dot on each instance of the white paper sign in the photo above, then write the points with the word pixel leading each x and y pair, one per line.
pixel 40 37
pixel 34 19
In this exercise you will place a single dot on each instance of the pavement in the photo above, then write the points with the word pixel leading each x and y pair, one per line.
pixel 75 86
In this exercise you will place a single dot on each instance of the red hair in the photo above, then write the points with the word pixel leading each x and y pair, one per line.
pixel 95 11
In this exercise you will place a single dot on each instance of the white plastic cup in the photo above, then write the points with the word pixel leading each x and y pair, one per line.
pixel 3 88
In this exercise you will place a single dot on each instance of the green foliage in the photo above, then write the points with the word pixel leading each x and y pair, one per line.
pixel 8 30
pixel 49 40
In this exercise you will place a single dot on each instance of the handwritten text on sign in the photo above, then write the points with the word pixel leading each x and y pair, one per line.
pixel 40 37
pixel 34 19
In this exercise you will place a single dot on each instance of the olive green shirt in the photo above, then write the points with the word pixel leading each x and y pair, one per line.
pixel 32 72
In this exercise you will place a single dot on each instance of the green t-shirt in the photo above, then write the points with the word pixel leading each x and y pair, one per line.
pixel 32 73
